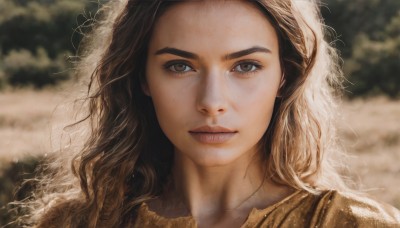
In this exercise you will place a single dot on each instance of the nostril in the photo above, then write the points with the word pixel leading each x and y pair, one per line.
pixel 210 111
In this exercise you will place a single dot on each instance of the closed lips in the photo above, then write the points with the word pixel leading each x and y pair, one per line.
pixel 212 134
pixel 212 130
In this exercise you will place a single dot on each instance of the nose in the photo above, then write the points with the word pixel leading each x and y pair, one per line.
pixel 212 95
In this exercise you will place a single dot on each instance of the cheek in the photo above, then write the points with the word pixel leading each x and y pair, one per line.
pixel 258 97
pixel 170 102
pixel 256 102
pixel 258 109
pixel 166 104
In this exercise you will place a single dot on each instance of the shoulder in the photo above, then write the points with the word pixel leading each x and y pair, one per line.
pixel 354 210
pixel 62 214
pixel 329 208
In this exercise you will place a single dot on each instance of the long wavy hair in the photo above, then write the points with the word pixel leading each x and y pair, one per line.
pixel 126 158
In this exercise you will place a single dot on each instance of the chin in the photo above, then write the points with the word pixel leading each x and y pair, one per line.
pixel 213 157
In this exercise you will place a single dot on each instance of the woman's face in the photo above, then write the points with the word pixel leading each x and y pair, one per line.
pixel 213 73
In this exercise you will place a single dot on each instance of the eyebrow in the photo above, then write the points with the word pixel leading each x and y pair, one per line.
pixel 175 51
pixel 190 55
pixel 248 51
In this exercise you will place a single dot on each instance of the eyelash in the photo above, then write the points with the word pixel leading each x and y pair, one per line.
pixel 255 64
pixel 169 64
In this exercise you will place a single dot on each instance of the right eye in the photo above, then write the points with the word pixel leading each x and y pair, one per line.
pixel 179 67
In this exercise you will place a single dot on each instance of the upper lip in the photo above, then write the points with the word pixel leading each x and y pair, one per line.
pixel 212 129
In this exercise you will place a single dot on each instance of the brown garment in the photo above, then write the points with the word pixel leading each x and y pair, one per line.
pixel 301 209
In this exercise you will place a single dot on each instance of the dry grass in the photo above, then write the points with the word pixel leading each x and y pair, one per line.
pixel 370 130
pixel 31 122
pixel 25 123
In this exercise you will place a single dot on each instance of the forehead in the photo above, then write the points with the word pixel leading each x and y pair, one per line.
pixel 215 25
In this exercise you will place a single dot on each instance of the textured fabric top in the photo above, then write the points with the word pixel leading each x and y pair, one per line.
pixel 300 209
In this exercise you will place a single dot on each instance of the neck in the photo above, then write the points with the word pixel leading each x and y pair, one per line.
pixel 217 190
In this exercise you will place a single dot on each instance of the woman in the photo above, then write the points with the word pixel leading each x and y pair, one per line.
pixel 208 114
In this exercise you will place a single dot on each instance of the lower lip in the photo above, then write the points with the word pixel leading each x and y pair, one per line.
pixel 212 138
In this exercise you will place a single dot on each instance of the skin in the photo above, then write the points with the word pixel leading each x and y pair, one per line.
pixel 216 183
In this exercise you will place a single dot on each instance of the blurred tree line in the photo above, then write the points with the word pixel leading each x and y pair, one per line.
pixel 369 40
pixel 36 36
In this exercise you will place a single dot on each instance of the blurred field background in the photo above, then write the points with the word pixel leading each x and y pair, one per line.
pixel 38 38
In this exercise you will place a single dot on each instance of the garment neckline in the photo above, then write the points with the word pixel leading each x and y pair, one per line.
pixel 253 212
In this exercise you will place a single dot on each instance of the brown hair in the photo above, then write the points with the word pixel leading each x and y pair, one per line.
pixel 127 159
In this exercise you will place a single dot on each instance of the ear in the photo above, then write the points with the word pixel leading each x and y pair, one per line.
pixel 145 89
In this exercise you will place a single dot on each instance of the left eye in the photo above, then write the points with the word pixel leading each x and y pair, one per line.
pixel 180 68
pixel 246 67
